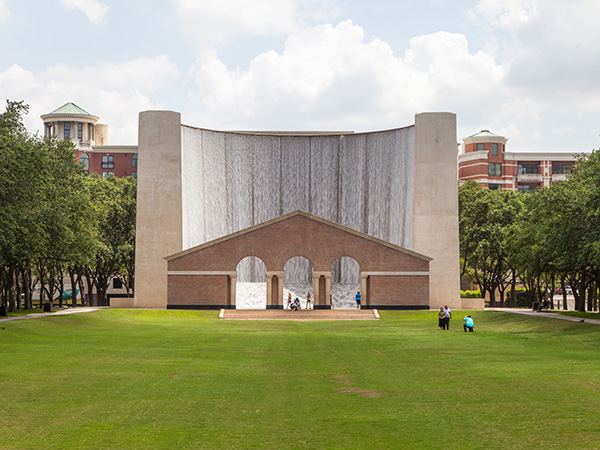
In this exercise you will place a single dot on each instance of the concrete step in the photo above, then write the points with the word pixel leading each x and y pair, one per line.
pixel 319 314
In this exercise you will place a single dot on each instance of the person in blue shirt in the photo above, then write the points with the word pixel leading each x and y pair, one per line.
pixel 358 300
pixel 468 325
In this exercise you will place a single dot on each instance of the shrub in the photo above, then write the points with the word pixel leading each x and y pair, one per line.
pixel 470 294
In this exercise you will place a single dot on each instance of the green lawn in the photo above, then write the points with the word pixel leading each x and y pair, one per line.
pixel 119 379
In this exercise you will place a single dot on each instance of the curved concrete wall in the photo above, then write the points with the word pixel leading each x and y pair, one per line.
pixel 231 181
pixel 196 185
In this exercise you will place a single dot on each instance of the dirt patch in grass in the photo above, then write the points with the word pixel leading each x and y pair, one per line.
pixel 347 387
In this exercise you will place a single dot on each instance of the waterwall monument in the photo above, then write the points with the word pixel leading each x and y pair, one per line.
pixel 196 186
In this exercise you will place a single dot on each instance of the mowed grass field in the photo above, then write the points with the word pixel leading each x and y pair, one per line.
pixel 123 379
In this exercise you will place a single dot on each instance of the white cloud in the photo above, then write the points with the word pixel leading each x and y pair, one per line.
pixel 329 78
pixel 509 14
pixel 114 92
pixel 94 10
pixel 4 12
pixel 216 22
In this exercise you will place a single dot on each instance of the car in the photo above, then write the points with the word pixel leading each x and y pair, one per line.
pixel 568 290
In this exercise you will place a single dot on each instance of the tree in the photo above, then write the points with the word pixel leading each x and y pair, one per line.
pixel 486 217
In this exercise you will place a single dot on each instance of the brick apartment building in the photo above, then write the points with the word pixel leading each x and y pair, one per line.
pixel 483 158
pixel 91 142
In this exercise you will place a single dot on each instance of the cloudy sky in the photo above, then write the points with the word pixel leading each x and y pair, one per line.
pixel 527 69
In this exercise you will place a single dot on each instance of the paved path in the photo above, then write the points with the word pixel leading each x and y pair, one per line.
pixel 62 312
pixel 301 315
pixel 529 312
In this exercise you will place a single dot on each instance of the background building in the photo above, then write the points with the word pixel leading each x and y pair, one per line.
pixel 483 158
pixel 91 141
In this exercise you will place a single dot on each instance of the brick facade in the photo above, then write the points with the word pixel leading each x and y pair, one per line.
pixel 204 276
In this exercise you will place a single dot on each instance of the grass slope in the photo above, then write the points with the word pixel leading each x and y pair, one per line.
pixel 177 379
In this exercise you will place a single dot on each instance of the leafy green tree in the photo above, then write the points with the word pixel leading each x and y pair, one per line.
pixel 485 220
pixel 114 201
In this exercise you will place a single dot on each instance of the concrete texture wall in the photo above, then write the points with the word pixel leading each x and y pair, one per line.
pixel 435 228
pixel 159 223
pixel 231 181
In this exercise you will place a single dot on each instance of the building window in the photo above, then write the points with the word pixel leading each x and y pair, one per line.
pixel 108 162
pixel 67 130
pixel 134 174
pixel 85 160
pixel 528 168
pixel 80 132
pixel 527 188
pixel 134 160
pixel 494 187
pixel 107 174
pixel 495 149
pixel 479 147
pixel 495 169
pixel 560 169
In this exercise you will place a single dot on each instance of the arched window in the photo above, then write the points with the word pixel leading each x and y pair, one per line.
pixel 85 160
pixel 134 160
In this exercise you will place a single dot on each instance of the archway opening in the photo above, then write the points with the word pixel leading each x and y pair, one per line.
pixel 345 282
pixel 298 281
pixel 251 284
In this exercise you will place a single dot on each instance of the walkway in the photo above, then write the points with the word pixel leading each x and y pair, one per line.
pixel 529 312
pixel 62 312
pixel 302 315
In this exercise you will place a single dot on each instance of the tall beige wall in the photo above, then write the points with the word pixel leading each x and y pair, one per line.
pixel 159 219
pixel 435 221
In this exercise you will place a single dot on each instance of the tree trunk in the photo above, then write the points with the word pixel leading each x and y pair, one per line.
pixel 26 276
pixel 513 291
pixel 564 293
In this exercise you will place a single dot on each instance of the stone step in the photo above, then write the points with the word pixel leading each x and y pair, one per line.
pixel 319 314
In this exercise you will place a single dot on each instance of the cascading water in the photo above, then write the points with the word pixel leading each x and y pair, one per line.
pixel 231 181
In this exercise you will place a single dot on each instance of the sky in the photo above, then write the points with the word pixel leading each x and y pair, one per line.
pixel 526 69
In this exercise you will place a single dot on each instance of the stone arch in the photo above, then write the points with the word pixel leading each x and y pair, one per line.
pixel 298 280
pixel 251 283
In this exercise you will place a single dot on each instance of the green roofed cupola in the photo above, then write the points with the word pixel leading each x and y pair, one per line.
pixel 70 108
pixel 72 122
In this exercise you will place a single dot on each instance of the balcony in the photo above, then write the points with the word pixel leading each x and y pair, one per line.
pixel 559 177
pixel 529 178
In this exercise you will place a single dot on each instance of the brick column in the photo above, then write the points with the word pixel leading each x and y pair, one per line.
pixel 327 290
pixel 316 297
pixel 277 301
pixel 363 290
pixel 232 281
pixel 269 291
pixel 280 298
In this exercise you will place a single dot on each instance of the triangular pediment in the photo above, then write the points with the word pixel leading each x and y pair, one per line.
pixel 291 215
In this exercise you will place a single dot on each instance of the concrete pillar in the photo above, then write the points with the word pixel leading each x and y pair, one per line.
pixel 232 285
pixel 159 226
pixel 435 205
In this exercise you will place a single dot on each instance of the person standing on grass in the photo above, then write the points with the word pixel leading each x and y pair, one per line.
pixel 358 300
pixel 308 302
pixel 468 325
pixel 442 318
pixel 448 312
